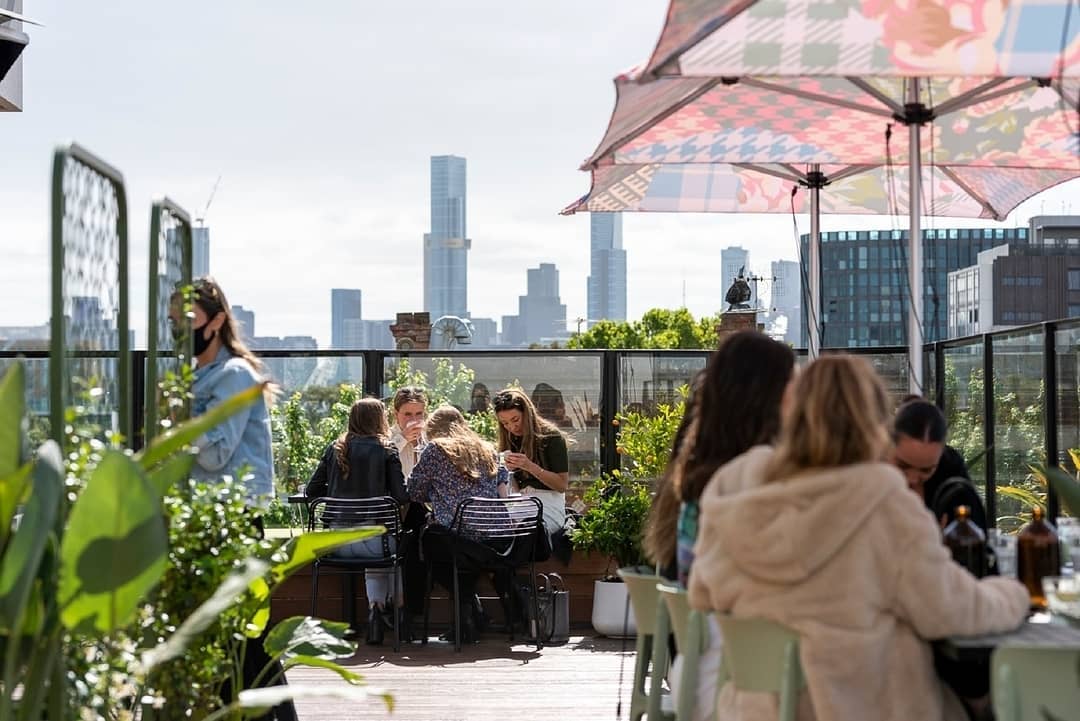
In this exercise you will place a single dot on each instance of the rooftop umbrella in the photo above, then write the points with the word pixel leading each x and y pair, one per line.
pixel 737 95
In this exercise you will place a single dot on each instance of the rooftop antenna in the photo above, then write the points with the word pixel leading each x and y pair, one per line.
pixel 200 219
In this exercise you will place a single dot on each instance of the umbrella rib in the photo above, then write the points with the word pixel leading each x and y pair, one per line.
pixel 766 170
pixel 807 95
pixel 639 128
pixel 851 170
pixel 948 173
pixel 877 95
pixel 1069 100
pixel 980 95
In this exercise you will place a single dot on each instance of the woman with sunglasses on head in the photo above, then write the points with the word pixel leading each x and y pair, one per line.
pixel 239 446
pixel 535 452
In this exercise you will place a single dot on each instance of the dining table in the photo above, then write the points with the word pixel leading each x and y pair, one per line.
pixel 1039 629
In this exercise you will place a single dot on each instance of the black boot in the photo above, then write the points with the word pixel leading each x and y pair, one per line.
pixel 479 617
pixel 405 626
pixel 375 628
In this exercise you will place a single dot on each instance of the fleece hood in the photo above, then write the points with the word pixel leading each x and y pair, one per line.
pixel 783 532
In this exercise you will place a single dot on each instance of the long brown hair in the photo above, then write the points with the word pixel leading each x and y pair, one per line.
pixel 533 426
pixel 472 456
pixel 367 418
pixel 209 296
pixel 738 407
pixel 838 416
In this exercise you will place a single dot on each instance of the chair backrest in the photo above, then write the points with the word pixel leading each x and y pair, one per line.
pixel 513 521
pixel 644 598
pixel 687 624
pixel 1035 683
pixel 330 512
pixel 763 656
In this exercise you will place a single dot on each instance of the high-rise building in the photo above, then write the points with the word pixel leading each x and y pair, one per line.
pixel 200 251
pixel 541 316
pixel 485 332
pixel 734 260
pixel 786 299
pixel 246 320
pixel 446 247
pixel 864 281
pixel 606 285
pixel 345 314
pixel 1019 283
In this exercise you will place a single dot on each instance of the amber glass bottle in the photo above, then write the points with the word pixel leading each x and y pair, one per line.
pixel 967 542
pixel 1038 554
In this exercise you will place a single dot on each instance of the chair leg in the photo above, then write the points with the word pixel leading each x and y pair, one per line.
pixel 536 606
pixel 315 589
pixel 427 605
pixel 394 579
pixel 457 610
pixel 642 656
pixel 658 662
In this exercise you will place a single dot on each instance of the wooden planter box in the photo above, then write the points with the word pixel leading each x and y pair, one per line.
pixel 293 597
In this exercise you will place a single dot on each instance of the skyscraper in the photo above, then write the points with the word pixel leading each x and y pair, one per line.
pixel 345 304
pixel 541 315
pixel 606 287
pixel 245 319
pixel 446 247
pixel 200 251
pixel 733 259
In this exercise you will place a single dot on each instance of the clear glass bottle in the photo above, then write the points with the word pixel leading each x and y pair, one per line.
pixel 966 542
pixel 1038 555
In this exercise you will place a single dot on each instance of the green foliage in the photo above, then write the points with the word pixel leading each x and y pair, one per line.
pixel 300 438
pixel 645 439
pixel 91 577
pixel 616 507
pixel 658 328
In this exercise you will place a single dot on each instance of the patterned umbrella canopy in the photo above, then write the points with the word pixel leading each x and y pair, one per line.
pixel 741 100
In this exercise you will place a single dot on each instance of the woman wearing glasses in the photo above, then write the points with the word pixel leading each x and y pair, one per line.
pixel 535 453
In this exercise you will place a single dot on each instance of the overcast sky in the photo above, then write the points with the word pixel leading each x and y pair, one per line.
pixel 321 116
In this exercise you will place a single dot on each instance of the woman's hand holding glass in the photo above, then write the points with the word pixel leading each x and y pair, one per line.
pixel 517 461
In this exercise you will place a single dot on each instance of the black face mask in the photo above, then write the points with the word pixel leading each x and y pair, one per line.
pixel 198 341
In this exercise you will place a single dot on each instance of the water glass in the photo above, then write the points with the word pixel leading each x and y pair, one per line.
pixel 1068 530
pixel 1062 595
pixel 1004 547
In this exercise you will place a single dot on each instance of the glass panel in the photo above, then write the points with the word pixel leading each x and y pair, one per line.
pixel 964 406
pixel 647 380
pixel 1019 440
pixel 1067 343
pixel 929 374
pixel 573 378
pixel 36 373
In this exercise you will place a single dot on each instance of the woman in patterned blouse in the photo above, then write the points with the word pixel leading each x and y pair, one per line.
pixel 455 465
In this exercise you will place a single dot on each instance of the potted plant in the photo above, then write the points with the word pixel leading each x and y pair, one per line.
pixel 612 524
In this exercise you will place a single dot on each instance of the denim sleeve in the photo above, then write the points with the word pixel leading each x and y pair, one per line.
pixel 218 444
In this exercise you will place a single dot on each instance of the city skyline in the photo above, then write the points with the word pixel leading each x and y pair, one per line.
pixel 329 189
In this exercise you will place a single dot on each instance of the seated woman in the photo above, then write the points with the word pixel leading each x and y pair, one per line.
pixel 535 452
pixel 456 464
pixel 361 463
pixel 828 540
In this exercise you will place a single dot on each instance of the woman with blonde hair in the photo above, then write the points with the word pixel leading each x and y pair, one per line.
pixel 456 464
pixel 361 463
pixel 535 453
pixel 827 540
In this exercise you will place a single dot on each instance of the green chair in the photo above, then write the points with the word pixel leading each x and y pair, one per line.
pixel 1035 683
pixel 651 657
pixel 692 639
pixel 763 656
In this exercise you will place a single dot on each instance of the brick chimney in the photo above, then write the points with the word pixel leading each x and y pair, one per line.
pixel 412 331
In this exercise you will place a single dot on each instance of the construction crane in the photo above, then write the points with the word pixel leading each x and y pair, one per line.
pixel 200 220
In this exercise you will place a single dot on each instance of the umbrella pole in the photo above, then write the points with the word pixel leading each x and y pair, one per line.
pixel 813 327
pixel 915 259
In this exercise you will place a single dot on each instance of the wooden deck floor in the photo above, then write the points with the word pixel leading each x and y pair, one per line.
pixel 490 680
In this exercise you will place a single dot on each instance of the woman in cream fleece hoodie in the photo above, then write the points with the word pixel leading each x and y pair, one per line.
pixel 829 541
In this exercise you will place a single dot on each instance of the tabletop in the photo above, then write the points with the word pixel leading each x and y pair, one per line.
pixel 1039 630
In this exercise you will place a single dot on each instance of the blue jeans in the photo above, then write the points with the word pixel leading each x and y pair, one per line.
pixel 377 581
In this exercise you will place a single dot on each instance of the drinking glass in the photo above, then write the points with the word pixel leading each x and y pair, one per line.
pixel 1068 530
pixel 1004 547
pixel 1062 595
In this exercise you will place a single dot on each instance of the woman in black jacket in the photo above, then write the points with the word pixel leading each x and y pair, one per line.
pixel 361 463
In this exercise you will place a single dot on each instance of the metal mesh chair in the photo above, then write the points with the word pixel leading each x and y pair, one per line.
pixel 339 513
pixel 491 534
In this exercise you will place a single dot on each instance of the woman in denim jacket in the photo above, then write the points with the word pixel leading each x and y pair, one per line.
pixel 239 446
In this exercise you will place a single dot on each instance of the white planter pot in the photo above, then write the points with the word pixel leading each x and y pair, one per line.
pixel 609 610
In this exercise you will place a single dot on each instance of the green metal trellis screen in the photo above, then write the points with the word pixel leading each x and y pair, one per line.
pixel 170 270
pixel 89 338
